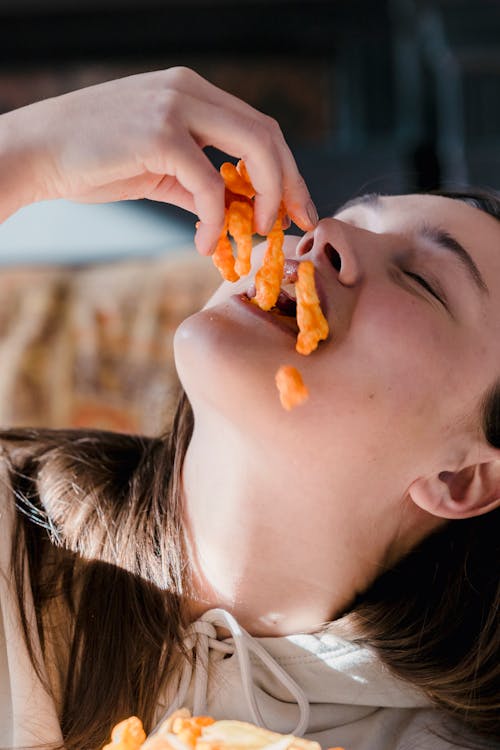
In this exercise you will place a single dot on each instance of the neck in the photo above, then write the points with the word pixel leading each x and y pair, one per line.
pixel 268 542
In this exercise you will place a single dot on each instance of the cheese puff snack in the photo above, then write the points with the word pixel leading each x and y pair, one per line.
pixel 240 223
pixel 313 326
pixel 291 387
pixel 241 168
pixel 222 256
pixel 181 731
pixel 269 276
pixel 236 179
pixel 127 735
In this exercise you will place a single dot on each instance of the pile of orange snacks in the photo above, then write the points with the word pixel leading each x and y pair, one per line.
pixel 181 731
pixel 311 322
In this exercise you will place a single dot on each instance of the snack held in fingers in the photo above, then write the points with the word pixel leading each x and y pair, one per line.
pixel 269 276
pixel 181 731
pixel 236 179
pixel 313 326
pixel 291 387
pixel 223 258
pixel 239 219
pixel 238 222
pixel 240 225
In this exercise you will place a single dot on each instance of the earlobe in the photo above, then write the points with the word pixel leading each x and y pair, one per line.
pixel 469 492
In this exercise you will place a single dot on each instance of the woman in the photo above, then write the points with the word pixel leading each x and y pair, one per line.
pixel 355 539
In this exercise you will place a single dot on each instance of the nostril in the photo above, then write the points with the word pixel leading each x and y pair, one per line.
pixel 306 247
pixel 333 256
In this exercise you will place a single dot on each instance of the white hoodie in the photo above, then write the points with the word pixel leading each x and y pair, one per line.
pixel 323 686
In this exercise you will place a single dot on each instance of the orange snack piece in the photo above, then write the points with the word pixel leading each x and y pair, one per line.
pixel 313 326
pixel 236 179
pixel 212 735
pixel 291 387
pixel 240 223
pixel 269 276
pixel 241 168
pixel 189 729
pixel 222 257
pixel 129 734
pixel 186 727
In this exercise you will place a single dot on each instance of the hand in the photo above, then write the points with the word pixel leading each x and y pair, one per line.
pixel 142 137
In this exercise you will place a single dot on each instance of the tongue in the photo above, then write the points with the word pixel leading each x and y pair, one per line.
pixel 286 304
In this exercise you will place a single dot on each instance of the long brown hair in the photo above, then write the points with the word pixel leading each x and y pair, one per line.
pixel 99 518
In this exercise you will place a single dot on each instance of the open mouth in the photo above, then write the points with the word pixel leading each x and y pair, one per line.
pixel 285 308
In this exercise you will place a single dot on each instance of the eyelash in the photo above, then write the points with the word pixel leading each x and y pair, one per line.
pixel 425 284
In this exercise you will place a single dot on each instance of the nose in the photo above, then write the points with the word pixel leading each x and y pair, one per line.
pixel 332 241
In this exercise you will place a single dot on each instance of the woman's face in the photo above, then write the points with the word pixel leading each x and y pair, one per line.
pixel 411 289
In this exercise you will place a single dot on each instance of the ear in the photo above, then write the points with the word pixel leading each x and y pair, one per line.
pixel 465 493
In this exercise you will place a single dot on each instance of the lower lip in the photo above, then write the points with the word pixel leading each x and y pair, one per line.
pixel 244 303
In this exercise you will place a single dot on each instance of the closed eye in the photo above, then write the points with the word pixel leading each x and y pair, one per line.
pixel 423 282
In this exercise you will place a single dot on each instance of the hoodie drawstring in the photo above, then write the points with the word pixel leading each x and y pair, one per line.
pixel 200 638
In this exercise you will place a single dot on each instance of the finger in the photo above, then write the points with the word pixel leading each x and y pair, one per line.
pixel 296 196
pixel 168 190
pixel 250 140
pixel 183 159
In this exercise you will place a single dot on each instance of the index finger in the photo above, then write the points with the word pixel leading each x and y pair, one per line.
pixel 296 197
pixel 257 140
pixel 195 173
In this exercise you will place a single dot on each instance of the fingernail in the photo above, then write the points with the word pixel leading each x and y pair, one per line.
pixel 312 213
pixel 266 226
pixel 204 240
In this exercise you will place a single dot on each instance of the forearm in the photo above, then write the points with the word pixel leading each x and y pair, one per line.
pixel 21 180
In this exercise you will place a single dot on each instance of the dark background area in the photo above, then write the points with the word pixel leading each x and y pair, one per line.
pixel 372 95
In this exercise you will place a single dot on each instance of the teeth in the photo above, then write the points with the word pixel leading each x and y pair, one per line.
pixel 289 289
pixel 290 270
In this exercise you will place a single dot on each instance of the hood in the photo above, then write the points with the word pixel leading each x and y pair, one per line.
pixel 298 684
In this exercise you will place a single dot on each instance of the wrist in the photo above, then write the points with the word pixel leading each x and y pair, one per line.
pixel 21 161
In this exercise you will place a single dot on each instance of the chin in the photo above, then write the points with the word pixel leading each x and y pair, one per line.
pixel 216 366
pixel 227 354
pixel 228 368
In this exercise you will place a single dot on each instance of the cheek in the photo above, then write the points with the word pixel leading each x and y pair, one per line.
pixel 402 358
pixel 411 335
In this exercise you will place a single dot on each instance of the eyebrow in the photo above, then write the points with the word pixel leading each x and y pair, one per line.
pixel 446 241
pixel 436 235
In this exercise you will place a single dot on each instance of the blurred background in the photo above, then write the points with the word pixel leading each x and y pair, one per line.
pixel 387 95
pixel 372 95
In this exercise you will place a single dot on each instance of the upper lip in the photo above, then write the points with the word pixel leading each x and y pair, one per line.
pixel 290 273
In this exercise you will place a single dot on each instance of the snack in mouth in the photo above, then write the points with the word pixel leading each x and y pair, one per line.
pixel 269 276
pixel 181 731
pixel 312 324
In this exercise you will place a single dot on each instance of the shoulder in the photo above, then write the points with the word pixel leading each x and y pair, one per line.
pixel 27 711
pixel 432 729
